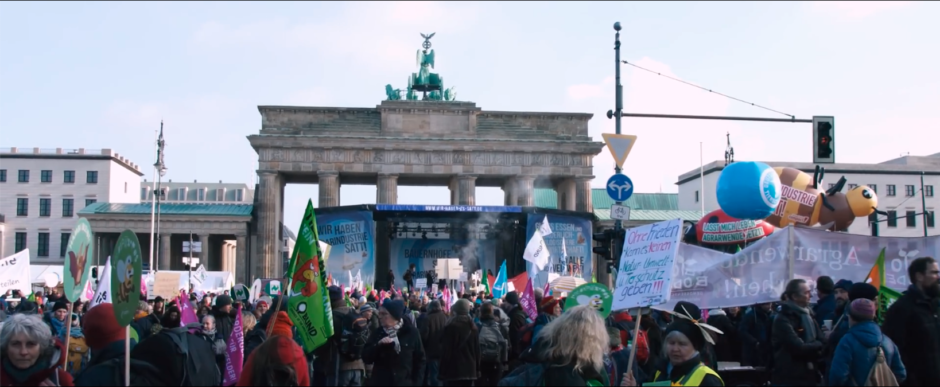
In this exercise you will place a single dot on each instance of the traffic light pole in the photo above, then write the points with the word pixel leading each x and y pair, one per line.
pixel 618 104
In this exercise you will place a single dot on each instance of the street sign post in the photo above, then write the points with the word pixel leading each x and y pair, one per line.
pixel 620 146
pixel 619 187
pixel 619 212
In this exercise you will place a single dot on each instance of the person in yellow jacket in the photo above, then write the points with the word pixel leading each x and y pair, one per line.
pixel 685 338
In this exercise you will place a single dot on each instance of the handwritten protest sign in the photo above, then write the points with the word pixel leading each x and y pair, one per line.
pixel 645 273
pixel 166 284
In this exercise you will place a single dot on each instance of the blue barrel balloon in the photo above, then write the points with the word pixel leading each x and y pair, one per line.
pixel 748 190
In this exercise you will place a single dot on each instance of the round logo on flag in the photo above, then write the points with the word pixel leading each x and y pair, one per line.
pixel 770 187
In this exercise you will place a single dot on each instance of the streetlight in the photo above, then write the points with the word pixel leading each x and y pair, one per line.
pixel 160 168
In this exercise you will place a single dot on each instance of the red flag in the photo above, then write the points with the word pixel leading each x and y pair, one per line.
pixel 520 281
pixel 491 281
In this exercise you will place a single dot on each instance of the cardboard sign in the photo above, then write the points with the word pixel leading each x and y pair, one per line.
pixel 645 274
pixel 166 285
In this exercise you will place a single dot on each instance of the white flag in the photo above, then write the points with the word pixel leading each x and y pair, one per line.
pixel 351 283
pixel 103 294
pixel 359 284
pixel 14 273
pixel 536 251
pixel 545 228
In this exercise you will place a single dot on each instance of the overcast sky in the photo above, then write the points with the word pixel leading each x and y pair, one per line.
pixel 103 75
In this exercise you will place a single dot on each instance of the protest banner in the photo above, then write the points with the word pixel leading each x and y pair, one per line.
pixel 125 277
pixel 77 269
pixel 14 273
pixel 527 301
pixel 103 293
pixel 308 303
pixel 166 284
pixel 646 265
pixel 235 351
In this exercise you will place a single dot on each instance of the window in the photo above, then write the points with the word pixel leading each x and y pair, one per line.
pixel 22 207
pixel 64 244
pixel 45 176
pixel 43 249
pixel 928 191
pixel 874 188
pixel 181 194
pixel 69 177
pixel 89 202
pixel 68 207
pixel 696 196
pixel 892 190
pixel 930 219
pixel 92 177
pixel 220 195
pixel 908 190
pixel 143 193
pixel 852 186
pixel 911 218
pixel 45 207
pixel 892 218
pixel 201 194
pixel 239 195
pixel 24 176
pixel 20 241
pixel 3 175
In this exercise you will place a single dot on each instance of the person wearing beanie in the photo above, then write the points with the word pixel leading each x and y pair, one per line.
pixel 518 319
pixel 825 308
pixel 431 326
pixel 224 316
pixel 460 347
pixel 395 349
pixel 841 292
pixel 549 310
pixel 328 357
pixel 856 291
pixel 159 307
pixel 855 354
pixel 797 339
pixel 106 339
pixel 265 366
pixel 55 318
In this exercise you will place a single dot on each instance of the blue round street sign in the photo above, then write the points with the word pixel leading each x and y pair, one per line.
pixel 619 187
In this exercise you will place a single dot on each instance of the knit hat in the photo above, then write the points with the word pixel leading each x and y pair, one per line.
pixel 687 328
pixel 395 308
pixel 824 284
pixel 336 294
pixel 283 325
pixel 863 290
pixel 548 304
pixel 843 284
pixel 223 300
pixel 366 308
pixel 158 299
pixel 862 310
pixel 434 306
pixel 461 307
pixel 512 298
pixel 101 327
pixel 59 305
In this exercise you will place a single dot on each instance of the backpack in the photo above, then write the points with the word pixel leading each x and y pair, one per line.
pixel 354 336
pixel 528 374
pixel 179 357
pixel 78 355
pixel 880 373
pixel 492 344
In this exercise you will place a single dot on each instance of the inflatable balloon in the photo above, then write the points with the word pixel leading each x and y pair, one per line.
pixel 859 202
pixel 748 190
pixel 799 199
pixel 718 228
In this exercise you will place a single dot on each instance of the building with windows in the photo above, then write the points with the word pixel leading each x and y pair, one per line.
pixel 198 192
pixel 897 183
pixel 42 191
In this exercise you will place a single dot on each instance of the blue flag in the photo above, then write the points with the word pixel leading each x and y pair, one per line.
pixel 499 286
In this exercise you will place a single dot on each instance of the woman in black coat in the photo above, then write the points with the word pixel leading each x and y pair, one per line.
pixel 394 350
pixel 460 348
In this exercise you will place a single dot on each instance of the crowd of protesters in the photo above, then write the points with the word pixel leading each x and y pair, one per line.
pixel 422 340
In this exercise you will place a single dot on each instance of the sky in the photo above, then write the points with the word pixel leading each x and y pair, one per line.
pixel 103 75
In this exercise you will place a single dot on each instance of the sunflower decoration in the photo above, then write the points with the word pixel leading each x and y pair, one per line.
pixel 682 310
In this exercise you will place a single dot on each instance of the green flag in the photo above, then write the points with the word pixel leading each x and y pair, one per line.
pixel 308 303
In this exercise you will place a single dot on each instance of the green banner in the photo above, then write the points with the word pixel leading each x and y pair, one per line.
pixel 594 295
pixel 886 297
pixel 125 277
pixel 308 302
pixel 77 269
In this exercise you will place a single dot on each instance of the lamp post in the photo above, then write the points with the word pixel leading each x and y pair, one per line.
pixel 161 171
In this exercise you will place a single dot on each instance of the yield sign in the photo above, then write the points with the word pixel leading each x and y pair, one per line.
pixel 619 146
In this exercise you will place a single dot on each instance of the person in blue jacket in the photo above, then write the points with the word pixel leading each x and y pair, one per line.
pixel 855 356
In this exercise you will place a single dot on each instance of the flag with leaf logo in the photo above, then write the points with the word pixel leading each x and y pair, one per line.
pixel 308 302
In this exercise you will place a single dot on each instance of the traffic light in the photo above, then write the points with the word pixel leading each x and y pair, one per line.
pixel 824 149
pixel 604 244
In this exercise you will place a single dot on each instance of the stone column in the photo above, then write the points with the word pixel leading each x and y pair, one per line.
pixel 466 190
pixel 453 191
pixel 268 222
pixel 509 192
pixel 525 190
pixel 241 254
pixel 583 201
pixel 165 263
pixel 566 195
pixel 329 188
pixel 386 191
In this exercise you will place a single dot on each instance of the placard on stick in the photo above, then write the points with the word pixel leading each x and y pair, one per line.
pixel 166 285
pixel 645 274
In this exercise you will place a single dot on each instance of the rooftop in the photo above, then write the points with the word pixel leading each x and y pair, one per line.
pixel 169 209
pixel 643 206
pixel 65 153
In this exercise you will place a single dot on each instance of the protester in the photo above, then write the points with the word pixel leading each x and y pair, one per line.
pixel 171 319
pixel 825 307
pixel 210 333
pixel 842 289
pixel 796 339
pixel 77 351
pixel 726 345
pixel 56 318
pixel 460 347
pixel 107 342
pixel 912 323
pixel 159 307
pixel 277 362
pixel 857 291
pixel 330 366
pixel 390 277
pixel 224 316
pixel 517 323
pixel 494 346
pixel 431 326
pixel 145 323
pixel 394 349
pixel 29 354
pixel 856 355
pixel 755 332
pixel 261 306
pixel 549 310
pixel 619 358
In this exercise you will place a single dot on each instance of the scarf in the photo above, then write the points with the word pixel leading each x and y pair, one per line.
pixel 806 319
pixel 20 376
pixel 57 326
pixel 393 334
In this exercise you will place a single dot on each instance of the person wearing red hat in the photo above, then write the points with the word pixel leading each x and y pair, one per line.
pixel 105 337
pixel 549 309
pixel 279 361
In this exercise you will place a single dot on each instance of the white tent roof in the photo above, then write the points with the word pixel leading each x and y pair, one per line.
pixel 38 273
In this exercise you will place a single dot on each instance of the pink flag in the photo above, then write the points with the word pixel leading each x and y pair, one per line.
pixel 187 314
pixel 547 290
pixel 382 296
pixel 143 287
pixel 446 298
pixel 235 352
pixel 528 301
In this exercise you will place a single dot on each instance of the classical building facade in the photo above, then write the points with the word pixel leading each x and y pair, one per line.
pixel 419 143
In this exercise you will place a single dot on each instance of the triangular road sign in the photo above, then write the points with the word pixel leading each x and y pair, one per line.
pixel 619 146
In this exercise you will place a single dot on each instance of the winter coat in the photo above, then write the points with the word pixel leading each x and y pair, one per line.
pixel 754 333
pixel 540 322
pixel 517 321
pixel 328 354
pixel 253 339
pixel 557 374
pixel 145 326
pixel 912 322
pixel 99 371
pixel 405 368
pixel 839 330
pixel 224 322
pixel 825 309
pixel 855 356
pixel 431 325
pixel 680 371
pixel 460 350
pixel 46 367
pixel 725 345
pixel 290 353
pixel 797 348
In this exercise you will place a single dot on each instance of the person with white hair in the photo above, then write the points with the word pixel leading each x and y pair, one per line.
pixel 30 355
